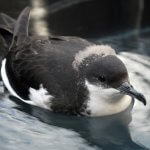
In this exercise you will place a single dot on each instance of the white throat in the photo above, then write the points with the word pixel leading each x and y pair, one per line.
pixel 102 102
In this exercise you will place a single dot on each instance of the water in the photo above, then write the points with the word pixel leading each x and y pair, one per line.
pixel 27 127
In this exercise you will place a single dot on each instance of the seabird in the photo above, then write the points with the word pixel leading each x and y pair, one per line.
pixel 65 74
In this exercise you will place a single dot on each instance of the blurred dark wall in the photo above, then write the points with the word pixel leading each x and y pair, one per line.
pixel 96 17
pixel 146 14
pixel 90 18
pixel 13 7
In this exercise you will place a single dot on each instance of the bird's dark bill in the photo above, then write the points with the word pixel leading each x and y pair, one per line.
pixel 128 89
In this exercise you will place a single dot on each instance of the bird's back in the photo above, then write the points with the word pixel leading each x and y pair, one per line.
pixel 48 61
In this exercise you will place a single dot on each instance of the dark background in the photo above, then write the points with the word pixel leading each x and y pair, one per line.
pixel 87 18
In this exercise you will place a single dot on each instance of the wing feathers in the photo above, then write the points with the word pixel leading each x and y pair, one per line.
pixel 21 27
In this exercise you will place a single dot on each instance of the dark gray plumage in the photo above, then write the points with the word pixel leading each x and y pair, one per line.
pixel 56 68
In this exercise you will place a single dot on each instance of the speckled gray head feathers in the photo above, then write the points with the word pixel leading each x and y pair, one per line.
pixel 100 61
pixel 99 50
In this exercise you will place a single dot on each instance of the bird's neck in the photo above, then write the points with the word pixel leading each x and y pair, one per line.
pixel 102 102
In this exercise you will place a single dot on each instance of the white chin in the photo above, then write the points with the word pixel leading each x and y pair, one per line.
pixel 103 102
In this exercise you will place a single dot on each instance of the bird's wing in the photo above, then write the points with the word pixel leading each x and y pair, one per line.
pixel 34 62
pixel 20 32
pixel 6 33
pixel 31 69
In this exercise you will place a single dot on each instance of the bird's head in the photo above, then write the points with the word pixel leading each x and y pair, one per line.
pixel 108 71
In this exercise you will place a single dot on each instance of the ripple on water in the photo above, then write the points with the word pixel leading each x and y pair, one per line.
pixel 19 130
pixel 139 68
pixel 22 131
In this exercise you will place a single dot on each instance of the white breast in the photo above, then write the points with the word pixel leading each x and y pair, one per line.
pixel 102 102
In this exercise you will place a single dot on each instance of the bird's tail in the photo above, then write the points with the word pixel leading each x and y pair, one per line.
pixel 20 32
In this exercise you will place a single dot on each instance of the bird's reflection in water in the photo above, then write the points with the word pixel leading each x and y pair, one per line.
pixel 108 133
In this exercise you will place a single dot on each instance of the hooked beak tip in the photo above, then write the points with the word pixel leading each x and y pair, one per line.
pixel 128 89
pixel 142 99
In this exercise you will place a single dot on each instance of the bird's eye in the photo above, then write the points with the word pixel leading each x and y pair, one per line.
pixel 101 78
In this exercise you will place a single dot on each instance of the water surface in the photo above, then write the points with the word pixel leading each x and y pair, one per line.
pixel 25 127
